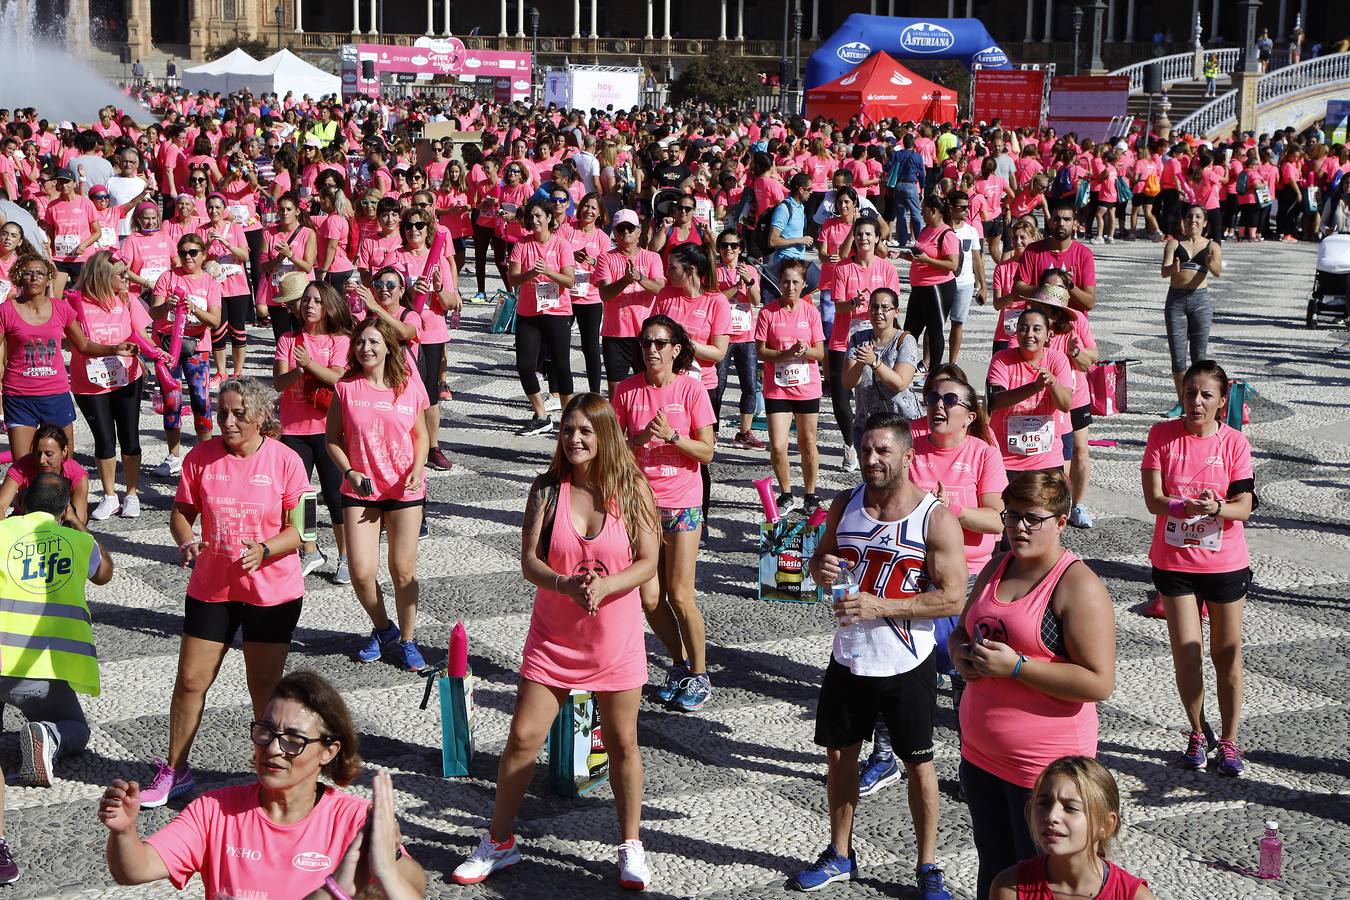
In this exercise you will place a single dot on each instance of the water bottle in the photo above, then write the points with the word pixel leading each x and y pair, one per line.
pixel 158 400
pixel 852 638
pixel 1271 851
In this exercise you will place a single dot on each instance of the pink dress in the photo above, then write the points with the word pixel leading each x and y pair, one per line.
pixel 568 648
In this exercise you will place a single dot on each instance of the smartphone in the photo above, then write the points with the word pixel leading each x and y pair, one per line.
pixel 366 488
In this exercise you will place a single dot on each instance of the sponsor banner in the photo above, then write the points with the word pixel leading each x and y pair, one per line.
pixel 1013 96
pixel 1086 104
pixel 434 56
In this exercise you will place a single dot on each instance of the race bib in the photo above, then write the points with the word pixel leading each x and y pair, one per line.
pixel 5 288
pixel 152 273
pixel 741 318
pixel 1030 435
pixel 547 296
pixel 1205 532
pixel 793 374
pixel 228 268
pixel 284 268
pixel 1010 325
pixel 238 212
pixel 108 371
pixel 65 244
pixel 582 288
pixel 695 371
pixel 106 238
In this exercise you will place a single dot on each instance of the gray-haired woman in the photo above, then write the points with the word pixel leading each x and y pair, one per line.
pixel 881 365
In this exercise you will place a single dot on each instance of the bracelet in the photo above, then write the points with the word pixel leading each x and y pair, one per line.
pixel 187 543
pixel 557 580
pixel 1219 507
pixel 1018 668
pixel 334 889
pixel 348 472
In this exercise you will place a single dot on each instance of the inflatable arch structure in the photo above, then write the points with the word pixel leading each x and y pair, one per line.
pixel 862 35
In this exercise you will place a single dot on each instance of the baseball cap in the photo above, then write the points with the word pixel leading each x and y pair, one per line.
pixel 626 217
pixel 66 173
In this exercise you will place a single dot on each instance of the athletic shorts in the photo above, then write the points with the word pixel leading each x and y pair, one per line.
pixel 850 704
pixel 965 292
pixel 674 521
pixel 621 357
pixel 32 411
pixel 797 407
pixel 994 228
pixel 429 368
pixel 1142 200
pixel 349 502
pixel 219 622
pixel 1210 587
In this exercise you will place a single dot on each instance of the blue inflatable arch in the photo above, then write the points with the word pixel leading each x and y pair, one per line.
pixel 862 35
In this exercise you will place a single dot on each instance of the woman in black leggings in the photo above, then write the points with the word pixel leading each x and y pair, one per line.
pixel 588 240
pixel 934 259
pixel 485 219
pixel 542 270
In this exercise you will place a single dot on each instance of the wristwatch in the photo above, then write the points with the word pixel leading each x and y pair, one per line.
pixel 674 439
pixel 267 551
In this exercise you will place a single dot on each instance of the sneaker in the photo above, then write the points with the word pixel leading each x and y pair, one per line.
pixel 171 466
pixel 810 503
pixel 694 692
pixel 1155 608
pixel 311 561
pixel 1096 240
pixel 438 460
pixel 37 754
pixel 876 774
pixel 552 403
pixel 674 676
pixel 1079 517
pixel 167 784
pixel 424 530
pixel 746 440
pixel 931 886
pixel 1109 239
pixel 786 504
pixel 106 508
pixel 487 858
pixel 410 657
pixel 1174 412
pixel 536 425
pixel 1342 349
pixel 829 868
pixel 479 297
pixel 633 871
pixel 217 380
pixel 374 646
pixel 9 867
pixel 1194 757
pixel 131 506
pixel 850 459
pixel 1230 759
pixel 343 575
pixel 446 393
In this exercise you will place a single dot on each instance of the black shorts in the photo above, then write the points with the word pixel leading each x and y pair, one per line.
pixel 1142 200
pixel 850 704
pixel 1081 417
pixel 994 228
pixel 429 358
pixel 382 505
pixel 261 624
pixel 1211 587
pixel 621 357
pixel 797 407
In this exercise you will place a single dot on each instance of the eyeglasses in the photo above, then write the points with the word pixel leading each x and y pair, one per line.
pixel 33 273
pixel 386 285
pixel 685 209
pixel 263 735
pixel 947 399
pixel 658 343
pixel 881 307
pixel 414 226
pixel 194 252
pixel 1011 518
pixel 196 181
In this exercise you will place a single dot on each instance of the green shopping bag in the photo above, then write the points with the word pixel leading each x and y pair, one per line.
pixel 577 760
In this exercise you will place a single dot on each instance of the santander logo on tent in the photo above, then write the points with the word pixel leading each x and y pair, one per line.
pixel 850 79
pixel 926 37
pixel 898 79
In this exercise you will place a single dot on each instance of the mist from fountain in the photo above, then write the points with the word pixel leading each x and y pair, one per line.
pixel 36 70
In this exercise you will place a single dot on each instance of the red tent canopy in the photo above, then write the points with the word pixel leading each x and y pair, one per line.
pixel 879 88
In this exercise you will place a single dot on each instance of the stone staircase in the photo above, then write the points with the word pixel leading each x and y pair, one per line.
pixel 106 62
pixel 1186 98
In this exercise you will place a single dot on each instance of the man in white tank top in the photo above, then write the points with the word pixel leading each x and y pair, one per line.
pixel 907 553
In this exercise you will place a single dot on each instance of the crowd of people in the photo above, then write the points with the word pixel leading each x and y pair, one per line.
pixel 808 256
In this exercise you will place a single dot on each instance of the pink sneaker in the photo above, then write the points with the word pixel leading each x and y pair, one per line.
pixel 167 784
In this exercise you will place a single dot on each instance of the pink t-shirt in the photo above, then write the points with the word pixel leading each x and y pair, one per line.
pixel 335 232
pixel 1189 465
pixel 1083 331
pixel 225 835
pixel 596 244
pixel 103 374
pixel 779 328
pixel 1028 432
pixel 625 313
pixel 828 240
pixel 1076 259
pixel 148 255
pixel 298 415
pixel 921 274
pixel 72 222
pixel 242 500
pixel 233 280
pixel 273 237
pixel 25 469
pixel 1005 278
pixel 674 477
pixel 433 329
pixel 202 292
pixel 742 310
pixel 966 471
pixel 704 317
pixel 541 295
pixel 378 431
pixel 34 364
pixel 851 279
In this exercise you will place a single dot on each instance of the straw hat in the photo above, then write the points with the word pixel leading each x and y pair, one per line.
pixel 1054 297
pixel 292 285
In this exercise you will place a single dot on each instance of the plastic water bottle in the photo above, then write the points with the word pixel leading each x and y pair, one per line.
pixel 852 638
pixel 158 400
pixel 1271 851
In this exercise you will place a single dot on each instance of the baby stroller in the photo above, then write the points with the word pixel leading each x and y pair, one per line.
pixel 1331 283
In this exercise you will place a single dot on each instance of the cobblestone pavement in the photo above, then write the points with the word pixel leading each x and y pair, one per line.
pixel 735 798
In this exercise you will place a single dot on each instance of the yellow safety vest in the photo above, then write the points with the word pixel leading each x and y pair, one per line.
pixel 325 131
pixel 45 629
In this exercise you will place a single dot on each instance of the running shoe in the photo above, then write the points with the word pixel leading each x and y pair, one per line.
pixel 311 561
pixel 171 466
pixel 217 380
pixel 487 858
pixel 1230 759
pixel 1079 517
pixel 810 503
pixel 131 507
pixel 409 657
pixel 106 508
pixel 931 884
pixel 37 754
pixel 876 773
pixel 343 575
pixel 1194 757
pixel 536 425
pixel 746 440
pixel 446 393
pixel 633 871
pixel 438 460
pixel 850 459
pixel 694 692
pixel 1096 240
pixel 674 676
pixel 1155 608
pixel 374 646
pixel 167 784
pixel 1173 413
pixel 829 867
pixel 479 297
pixel 9 867
pixel 1342 349
pixel 786 504
pixel 552 403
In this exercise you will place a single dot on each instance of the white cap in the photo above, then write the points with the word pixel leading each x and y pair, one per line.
pixel 1272 825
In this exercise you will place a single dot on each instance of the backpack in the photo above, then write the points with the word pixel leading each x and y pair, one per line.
pixel 1243 183
pixel 1063 184
pixel 1152 186
pixel 1123 191
pixel 960 253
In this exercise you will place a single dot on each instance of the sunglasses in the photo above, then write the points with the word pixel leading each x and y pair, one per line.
pixel 196 181
pixel 626 226
pixel 687 209
pixel 193 253
pixel 558 199
pixel 947 399
pixel 729 246
pixel 386 284
pixel 658 343
pixel 414 226
pixel 369 203
pixel 99 197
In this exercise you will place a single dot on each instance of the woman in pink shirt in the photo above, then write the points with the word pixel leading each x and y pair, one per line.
pixel 13 244
pixel 629 278
pixel 933 261
pixel 1290 216
pixel 1036 645
pixel 452 208
pixel 589 542
pixel 542 268
pixel 270 837
pixel 51 453
pixel 671 426
pixel 227 248
pixel 332 264
pixel 1107 195
pixel 1030 385
pixel 72 224
pixel 1006 299
pixel 288 246
pixel 1199 484
pixel 589 241
pixel 739 283
pixel 148 251
pixel 377 437
pixel 1207 179
pixel 248 489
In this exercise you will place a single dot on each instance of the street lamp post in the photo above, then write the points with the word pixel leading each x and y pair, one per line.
pixel 534 54
pixel 783 80
pixel 280 11
pixel 1077 30
pixel 1098 12
pixel 797 58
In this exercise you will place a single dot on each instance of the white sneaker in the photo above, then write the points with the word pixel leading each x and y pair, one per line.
pixel 106 508
pixel 131 506
pixel 311 561
pixel 552 403
pixel 1342 349
pixel 171 466
pixel 633 871
pixel 850 459
pixel 486 859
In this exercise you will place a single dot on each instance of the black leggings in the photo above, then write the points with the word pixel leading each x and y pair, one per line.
pixel 255 248
pixel 233 321
pixel 928 309
pixel 998 823
pixel 1289 219
pixel 114 418
pixel 840 396
pixel 588 323
pixel 1214 222
pixel 534 333
pixel 313 452
pixel 482 239
pixel 339 279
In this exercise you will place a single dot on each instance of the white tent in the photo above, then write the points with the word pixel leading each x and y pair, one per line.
pixel 234 71
pixel 284 71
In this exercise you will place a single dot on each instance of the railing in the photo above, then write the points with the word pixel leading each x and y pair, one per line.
pixel 1178 67
pixel 1207 119
pixel 560 46
pixel 1324 71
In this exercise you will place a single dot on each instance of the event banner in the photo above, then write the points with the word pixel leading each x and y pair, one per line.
pixel 1013 96
pixel 1088 104
pixel 509 70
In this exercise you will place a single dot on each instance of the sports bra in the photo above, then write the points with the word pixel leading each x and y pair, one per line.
pixel 1200 259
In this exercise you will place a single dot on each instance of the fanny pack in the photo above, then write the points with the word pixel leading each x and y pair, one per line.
pixel 189 346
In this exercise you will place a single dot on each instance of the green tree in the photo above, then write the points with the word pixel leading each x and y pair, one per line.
pixel 718 78
pixel 257 49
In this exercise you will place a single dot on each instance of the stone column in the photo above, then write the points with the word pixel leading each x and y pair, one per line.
pixel 1031 21
pixel 595 31
pixel 445 25
pixel 299 25
pixel 196 31
pixel 502 33
pixel 815 20
pixel 1214 22
pixel 740 20
pixel 649 20
pixel 665 30
pixel 1095 66
pixel 722 30
pixel 1129 20
pixel 520 18
pixel 576 18
pixel 138 29
pixel 1111 21
pixel 356 16
pixel 1278 30
pixel 1049 21
pixel 374 19
pixel 77 27
pixel 431 19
